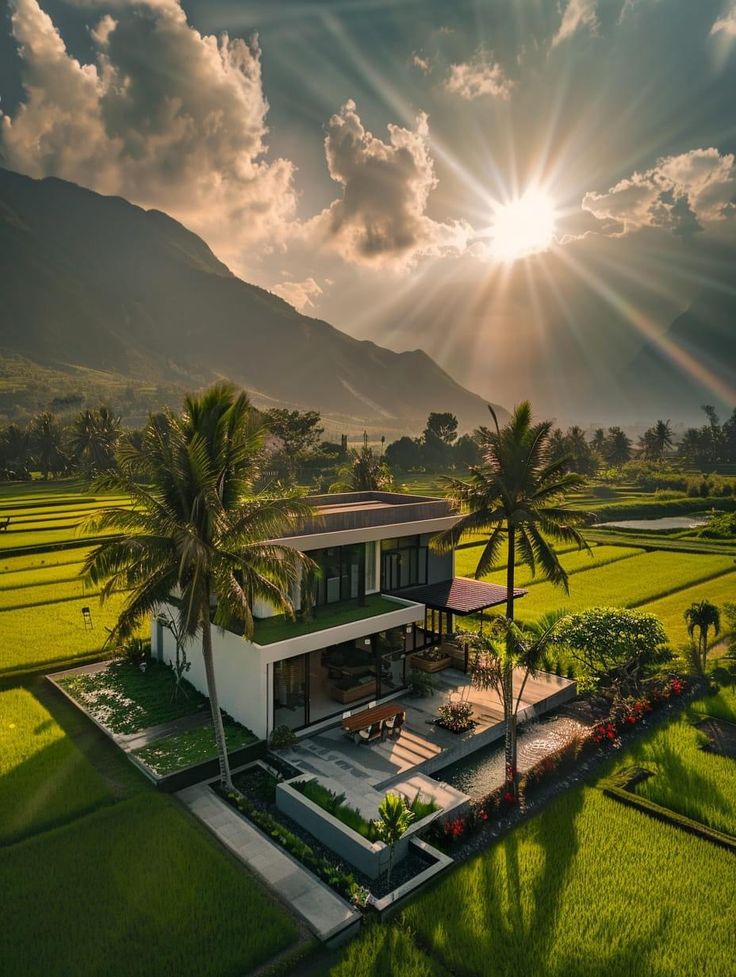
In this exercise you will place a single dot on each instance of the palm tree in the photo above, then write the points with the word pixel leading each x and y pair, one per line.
pixel 656 440
pixel 196 531
pixel 93 439
pixel 394 819
pixel 45 439
pixel 701 616
pixel 517 496
pixel 363 472
pixel 617 447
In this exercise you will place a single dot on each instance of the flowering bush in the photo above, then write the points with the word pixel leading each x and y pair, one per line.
pixel 455 716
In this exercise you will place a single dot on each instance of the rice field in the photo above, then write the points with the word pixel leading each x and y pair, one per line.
pixel 134 889
pixel 573 560
pixel 44 779
pixel 670 609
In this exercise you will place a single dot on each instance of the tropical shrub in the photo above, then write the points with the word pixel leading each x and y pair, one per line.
pixel 282 738
pixel 456 716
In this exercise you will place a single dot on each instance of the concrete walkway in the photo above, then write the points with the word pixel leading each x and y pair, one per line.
pixel 326 914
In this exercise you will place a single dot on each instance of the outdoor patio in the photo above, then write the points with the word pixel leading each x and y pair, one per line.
pixel 423 747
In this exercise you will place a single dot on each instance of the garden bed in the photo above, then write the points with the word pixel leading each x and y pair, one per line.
pixel 257 802
pixel 165 756
pixel 427 662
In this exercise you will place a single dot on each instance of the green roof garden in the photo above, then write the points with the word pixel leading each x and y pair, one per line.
pixel 280 628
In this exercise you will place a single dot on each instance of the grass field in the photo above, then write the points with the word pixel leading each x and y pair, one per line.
pixel 670 609
pixel 573 560
pixel 588 888
pixel 687 779
pixel 134 889
pixel 44 778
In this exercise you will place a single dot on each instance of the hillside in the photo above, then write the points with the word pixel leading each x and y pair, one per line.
pixel 96 283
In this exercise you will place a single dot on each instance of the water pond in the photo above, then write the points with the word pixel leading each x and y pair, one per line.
pixel 483 771
pixel 663 524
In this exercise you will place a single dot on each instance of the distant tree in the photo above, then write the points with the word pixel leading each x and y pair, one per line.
pixel 437 439
pixel 298 433
pixel 93 439
pixel 700 617
pixel 656 441
pixel 442 425
pixel 517 495
pixel 45 440
pixel 574 447
pixel 404 454
pixel 597 442
pixel 13 452
pixel 614 647
pixel 363 471
pixel 729 439
pixel 616 447
pixel 466 451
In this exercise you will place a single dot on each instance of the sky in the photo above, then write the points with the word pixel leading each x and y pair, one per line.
pixel 526 189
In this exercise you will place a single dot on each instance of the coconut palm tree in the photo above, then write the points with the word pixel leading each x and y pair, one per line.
pixel 93 439
pixel 517 496
pixel 701 616
pixel 394 819
pixel 45 441
pixel 196 536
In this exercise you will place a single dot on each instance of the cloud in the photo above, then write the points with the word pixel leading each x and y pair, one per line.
pixel 726 23
pixel 381 217
pixel 578 15
pixel 479 77
pixel 302 295
pixel 165 116
pixel 418 61
pixel 680 193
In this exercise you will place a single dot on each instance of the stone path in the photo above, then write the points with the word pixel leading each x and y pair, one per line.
pixel 326 914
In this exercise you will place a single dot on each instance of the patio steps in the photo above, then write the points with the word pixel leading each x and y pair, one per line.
pixel 408 750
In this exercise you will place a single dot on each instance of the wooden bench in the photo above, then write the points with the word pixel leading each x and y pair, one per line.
pixel 4 523
pixel 371 724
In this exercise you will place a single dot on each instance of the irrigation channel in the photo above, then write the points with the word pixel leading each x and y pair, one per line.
pixel 483 771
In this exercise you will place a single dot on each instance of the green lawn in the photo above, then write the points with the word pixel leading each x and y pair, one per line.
pixel 133 890
pixel 589 888
pixel 44 778
pixel 125 699
pixel 279 628
pixel 193 746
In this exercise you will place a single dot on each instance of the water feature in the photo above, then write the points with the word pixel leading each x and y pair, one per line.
pixel 663 524
pixel 483 771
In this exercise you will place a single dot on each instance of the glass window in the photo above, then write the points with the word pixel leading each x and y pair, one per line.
pixel 370 568
pixel 290 692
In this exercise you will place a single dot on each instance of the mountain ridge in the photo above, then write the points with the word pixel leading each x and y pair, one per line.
pixel 100 283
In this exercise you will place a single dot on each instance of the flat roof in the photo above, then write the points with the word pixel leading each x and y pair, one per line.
pixel 347 511
pixel 460 595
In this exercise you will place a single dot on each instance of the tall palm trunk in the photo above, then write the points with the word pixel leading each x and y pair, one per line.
pixel 508 683
pixel 209 668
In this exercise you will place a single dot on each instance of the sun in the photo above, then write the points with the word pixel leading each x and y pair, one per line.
pixel 523 226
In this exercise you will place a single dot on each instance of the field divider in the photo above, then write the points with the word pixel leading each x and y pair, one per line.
pixel 618 788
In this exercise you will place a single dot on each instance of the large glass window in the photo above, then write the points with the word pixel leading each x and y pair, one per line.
pixel 290 692
pixel 403 563
pixel 341 573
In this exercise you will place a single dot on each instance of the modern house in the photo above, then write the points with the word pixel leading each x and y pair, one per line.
pixel 380 595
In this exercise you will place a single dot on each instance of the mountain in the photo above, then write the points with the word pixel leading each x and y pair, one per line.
pixel 94 283
pixel 695 359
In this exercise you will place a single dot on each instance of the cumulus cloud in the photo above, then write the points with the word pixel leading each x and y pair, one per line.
pixel 381 219
pixel 479 77
pixel 165 116
pixel 302 295
pixel 577 15
pixel 418 61
pixel 726 23
pixel 680 193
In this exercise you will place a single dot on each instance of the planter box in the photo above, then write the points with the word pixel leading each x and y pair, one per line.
pixel 369 857
pixel 430 665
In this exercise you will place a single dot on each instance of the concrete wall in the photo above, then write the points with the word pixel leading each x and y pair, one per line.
pixel 439 566
pixel 240 674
